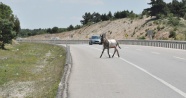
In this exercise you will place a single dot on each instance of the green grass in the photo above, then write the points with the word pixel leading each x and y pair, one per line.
pixel 41 64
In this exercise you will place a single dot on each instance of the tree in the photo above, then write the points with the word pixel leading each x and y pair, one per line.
pixel 117 15
pixel 96 17
pixel 5 10
pixel 17 26
pixel 104 17
pixel 87 18
pixel 49 30
pixel 6 32
pixel 132 15
pixel 77 27
pixel 91 18
pixel 174 7
pixel 183 8
pixel 71 27
pixel 122 14
pixel 178 8
pixel 109 15
pixel 159 7
pixel 55 30
pixel 9 25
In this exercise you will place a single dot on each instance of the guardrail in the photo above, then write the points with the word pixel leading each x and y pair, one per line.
pixel 155 43
pixel 58 41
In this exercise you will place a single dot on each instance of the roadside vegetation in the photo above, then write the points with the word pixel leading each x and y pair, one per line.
pixel 31 70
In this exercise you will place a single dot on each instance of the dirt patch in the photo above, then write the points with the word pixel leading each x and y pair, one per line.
pixel 42 63
pixel 17 90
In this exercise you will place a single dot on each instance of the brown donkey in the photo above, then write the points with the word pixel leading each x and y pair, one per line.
pixel 111 43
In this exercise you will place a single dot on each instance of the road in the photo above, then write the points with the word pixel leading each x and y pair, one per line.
pixel 140 72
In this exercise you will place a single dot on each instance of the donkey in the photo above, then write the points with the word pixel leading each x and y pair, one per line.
pixel 111 43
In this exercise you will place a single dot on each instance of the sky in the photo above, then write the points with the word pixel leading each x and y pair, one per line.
pixel 35 14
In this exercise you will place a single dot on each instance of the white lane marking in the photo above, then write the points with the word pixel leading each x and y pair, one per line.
pixel 179 58
pixel 155 52
pixel 155 77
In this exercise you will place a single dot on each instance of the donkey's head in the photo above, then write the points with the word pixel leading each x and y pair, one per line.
pixel 103 37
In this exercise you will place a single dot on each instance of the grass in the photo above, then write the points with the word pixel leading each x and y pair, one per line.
pixel 37 68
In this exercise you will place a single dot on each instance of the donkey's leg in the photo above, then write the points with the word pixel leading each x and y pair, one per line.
pixel 114 52
pixel 102 52
pixel 108 52
pixel 117 52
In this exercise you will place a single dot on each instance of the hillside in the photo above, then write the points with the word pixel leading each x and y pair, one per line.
pixel 123 29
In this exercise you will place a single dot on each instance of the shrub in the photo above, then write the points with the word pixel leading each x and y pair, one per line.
pixel 180 36
pixel 185 35
pixel 172 34
pixel 142 37
pixel 159 28
pixel 164 22
pixel 164 38
pixel 175 29
pixel 163 27
pixel 140 16
pixel 174 21
pixel 160 16
pixel 156 22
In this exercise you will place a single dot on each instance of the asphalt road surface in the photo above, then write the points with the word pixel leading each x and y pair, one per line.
pixel 140 72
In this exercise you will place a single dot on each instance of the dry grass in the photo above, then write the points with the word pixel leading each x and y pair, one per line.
pixel 31 70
